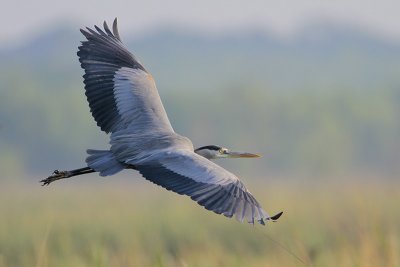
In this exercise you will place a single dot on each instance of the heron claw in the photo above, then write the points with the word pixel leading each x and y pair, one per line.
pixel 56 175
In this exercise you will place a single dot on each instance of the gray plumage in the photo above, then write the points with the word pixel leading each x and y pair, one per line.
pixel 124 101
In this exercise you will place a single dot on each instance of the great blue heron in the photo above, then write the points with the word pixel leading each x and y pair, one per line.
pixel 124 101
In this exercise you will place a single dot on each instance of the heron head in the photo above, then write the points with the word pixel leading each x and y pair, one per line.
pixel 217 152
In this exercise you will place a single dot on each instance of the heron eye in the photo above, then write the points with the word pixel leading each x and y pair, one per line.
pixel 222 151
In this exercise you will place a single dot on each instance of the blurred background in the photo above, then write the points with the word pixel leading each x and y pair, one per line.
pixel 312 86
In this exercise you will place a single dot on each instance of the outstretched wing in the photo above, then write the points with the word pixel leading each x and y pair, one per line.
pixel 210 185
pixel 120 92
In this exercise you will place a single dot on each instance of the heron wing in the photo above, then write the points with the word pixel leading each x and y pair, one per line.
pixel 120 92
pixel 210 185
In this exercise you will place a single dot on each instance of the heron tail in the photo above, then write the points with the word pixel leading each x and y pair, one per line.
pixel 103 161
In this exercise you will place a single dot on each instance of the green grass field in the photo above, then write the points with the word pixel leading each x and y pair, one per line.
pixel 106 222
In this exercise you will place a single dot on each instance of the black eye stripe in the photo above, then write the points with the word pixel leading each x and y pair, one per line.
pixel 212 147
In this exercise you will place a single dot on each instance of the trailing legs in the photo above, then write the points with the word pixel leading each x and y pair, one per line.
pixel 57 175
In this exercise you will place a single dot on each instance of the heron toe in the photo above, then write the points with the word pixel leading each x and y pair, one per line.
pixel 57 175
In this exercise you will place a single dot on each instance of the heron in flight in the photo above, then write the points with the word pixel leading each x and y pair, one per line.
pixel 124 101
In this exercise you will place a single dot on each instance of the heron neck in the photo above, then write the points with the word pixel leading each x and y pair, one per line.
pixel 205 153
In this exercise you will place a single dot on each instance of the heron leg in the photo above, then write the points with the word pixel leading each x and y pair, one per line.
pixel 57 175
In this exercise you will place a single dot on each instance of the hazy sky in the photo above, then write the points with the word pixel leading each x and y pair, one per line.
pixel 22 19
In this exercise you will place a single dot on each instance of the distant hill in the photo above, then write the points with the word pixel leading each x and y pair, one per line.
pixel 323 56
pixel 327 100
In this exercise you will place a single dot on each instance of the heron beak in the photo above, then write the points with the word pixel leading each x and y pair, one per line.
pixel 241 155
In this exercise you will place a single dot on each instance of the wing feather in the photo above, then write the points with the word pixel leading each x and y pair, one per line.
pixel 120 92
pixel 115 30
pixel 208 184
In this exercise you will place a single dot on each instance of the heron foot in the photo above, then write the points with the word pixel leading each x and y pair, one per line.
pixel 56 175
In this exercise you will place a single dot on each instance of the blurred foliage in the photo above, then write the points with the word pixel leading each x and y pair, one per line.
pixel 133 224
pixel 310 106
